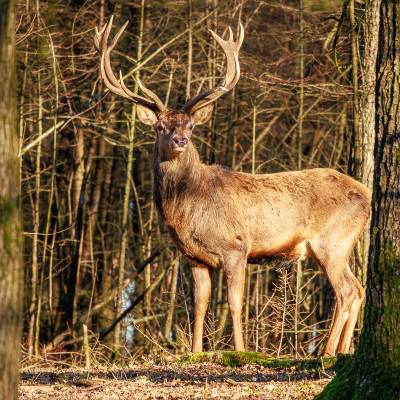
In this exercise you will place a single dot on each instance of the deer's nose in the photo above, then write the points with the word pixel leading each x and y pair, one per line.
pixel 180 141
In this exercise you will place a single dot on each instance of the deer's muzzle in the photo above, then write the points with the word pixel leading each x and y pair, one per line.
pixel 180 143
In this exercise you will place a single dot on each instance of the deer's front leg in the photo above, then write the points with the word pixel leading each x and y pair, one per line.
pixel 202 291
pixel 235 271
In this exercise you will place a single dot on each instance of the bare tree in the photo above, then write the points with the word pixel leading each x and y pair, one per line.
pixel 75 199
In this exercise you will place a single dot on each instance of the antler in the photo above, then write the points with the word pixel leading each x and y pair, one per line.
pixel 231 50
pixel 118 87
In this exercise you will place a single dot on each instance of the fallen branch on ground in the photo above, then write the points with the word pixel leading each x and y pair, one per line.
pixel 82 320
pixel 102 334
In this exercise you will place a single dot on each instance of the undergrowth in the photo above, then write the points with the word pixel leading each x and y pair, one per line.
pixel 239 359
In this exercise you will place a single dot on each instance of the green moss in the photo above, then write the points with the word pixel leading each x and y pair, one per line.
pixel 114 355
pixel 390 255
pixel 7 242
pixel 6 211
pixel 239 359
pixel 361 381
pixel 340 361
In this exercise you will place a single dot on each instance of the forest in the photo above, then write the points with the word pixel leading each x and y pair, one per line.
pixel 89 221
pixel 103 282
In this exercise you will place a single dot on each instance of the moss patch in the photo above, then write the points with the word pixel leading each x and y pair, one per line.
pixel 362 381
pixel 7 211
pixel 239 359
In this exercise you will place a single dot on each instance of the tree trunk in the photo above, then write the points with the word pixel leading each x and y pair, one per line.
pixel 124 238
pixel 170 316
pixel 190 50
pixel 373 373
pixel 301 95
pixel 367 109
pixel 11 282
pixel 356 161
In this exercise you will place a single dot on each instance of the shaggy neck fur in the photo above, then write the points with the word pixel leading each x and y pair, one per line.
pixel 182 177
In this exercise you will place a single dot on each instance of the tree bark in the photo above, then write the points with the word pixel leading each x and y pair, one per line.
pixel 190 50
pixel 368 79
pixel 301 94
pixel 11 282
pixel 356 161
pixel 170 316
pixel 124 238
pixel 367 109
pixel 373 373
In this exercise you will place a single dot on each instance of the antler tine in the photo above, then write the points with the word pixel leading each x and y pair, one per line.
pixel 240 39
pixel 116 37
pixel 110 81
pixel 101 38
pixel 97 38
pixel 160 106
pixel 230 34
pixel 151 95
pixel 231 50
pixel 118 87
pixel 232 69
pixel 107 51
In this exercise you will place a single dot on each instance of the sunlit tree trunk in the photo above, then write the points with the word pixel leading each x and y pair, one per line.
pixel 124 238
pixel 356 161
pixel 364 81
pixel 373 373
pixel 100 144
pixel 190 50
pixel 367 107
pixel 168 323
pixel 11 284
pixel 301 96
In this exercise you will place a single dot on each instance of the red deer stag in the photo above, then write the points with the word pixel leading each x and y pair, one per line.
pixel 218 217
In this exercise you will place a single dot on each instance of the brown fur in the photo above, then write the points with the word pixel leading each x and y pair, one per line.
pixel 222 218
pixel 219 217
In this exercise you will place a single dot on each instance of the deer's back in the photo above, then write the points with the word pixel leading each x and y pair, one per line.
pixel 263 214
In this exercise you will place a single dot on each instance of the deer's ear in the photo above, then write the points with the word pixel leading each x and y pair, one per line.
pixel 202 115
pixel 146 115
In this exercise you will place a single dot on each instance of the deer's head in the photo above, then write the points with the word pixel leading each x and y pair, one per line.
pixel 173 128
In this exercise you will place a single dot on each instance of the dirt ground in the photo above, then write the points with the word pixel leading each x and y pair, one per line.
pixel 171 381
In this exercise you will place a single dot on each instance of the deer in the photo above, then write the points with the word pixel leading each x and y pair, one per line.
pixel 220 217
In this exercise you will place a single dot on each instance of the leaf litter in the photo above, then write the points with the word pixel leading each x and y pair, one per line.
pixel 171 381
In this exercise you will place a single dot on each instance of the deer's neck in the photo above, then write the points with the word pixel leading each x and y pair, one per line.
pixel 177 180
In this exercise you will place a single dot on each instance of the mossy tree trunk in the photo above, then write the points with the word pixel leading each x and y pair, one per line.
pixel 10 231
pixel 374 371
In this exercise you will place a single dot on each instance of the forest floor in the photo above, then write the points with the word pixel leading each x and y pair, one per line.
pixel 173 381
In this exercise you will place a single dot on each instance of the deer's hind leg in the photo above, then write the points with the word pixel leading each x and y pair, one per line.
pixel 348 329
pixel 332 256
pixel 202 276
